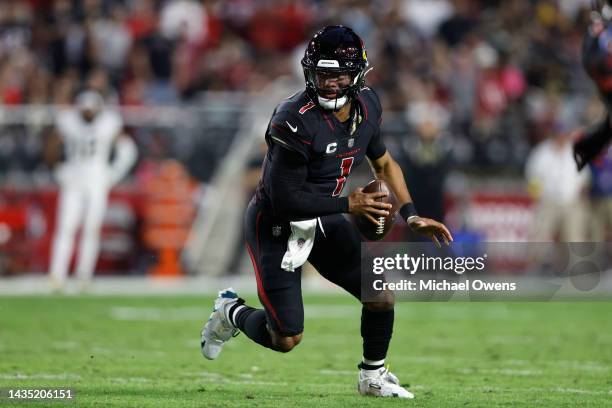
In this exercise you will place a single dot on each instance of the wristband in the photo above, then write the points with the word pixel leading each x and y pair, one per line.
pixel 407 211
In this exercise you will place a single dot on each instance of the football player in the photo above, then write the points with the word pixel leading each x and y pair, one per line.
pixel 315 139
pixel 597 60
pixel 87 134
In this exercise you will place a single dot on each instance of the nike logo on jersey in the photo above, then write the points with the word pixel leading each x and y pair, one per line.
pixel 293 129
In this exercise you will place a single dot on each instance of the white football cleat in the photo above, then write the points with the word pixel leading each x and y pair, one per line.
pixel 381 383
pixel 218 329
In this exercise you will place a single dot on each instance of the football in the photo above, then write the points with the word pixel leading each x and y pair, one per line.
pixel 366 227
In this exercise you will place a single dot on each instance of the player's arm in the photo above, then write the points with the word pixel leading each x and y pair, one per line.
pixel 387 169
pixel 126 154
pixel 288 172
pixel 591 143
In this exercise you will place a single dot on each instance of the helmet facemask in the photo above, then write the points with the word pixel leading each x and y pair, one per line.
pixel 333 88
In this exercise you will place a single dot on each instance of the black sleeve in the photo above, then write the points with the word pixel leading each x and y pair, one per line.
pixel 592 143
pixel 376 148
pixel 288 173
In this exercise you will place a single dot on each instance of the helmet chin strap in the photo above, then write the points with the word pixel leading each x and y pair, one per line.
pixel 332 104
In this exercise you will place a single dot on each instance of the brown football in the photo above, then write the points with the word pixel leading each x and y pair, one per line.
pixel 367 228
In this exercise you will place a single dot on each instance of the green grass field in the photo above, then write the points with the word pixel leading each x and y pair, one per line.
pixel 144 352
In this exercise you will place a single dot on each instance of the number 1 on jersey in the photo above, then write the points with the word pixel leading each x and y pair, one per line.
pixel 345 170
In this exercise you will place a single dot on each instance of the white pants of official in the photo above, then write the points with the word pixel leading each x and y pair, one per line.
pixel 84 205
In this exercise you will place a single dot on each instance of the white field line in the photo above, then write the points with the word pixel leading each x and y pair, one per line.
pixel 219 379
pixel 250 380
pixel 588 366
pixel 203 374
pixel 129 313
pixel 338 372
pixel 127 380
pixel 579 391
pixel 584 365
pixel 503 371
pixel 540 390
pixel 39 376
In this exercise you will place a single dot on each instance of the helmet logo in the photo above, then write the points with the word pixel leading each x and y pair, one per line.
pixel 365 57
pixel 328 63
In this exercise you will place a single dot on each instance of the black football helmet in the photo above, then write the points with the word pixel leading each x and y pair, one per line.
pixel 334 51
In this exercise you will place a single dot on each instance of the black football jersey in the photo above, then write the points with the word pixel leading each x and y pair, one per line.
pixel 331 149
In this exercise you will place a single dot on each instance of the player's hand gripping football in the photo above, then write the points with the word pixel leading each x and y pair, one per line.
pixel 365 204
pixel 430 228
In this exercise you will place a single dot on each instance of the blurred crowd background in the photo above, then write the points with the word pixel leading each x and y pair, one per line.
pixel 469 88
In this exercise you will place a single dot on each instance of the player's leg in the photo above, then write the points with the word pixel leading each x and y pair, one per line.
pixel 280 324
pixel 89 249
pixel 69 211
pixel 336 255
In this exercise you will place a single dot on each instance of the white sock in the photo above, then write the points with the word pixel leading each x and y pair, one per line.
pixel 373 363
pixel 234 313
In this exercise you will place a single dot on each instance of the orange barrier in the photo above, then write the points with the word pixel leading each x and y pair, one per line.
pixel 169 210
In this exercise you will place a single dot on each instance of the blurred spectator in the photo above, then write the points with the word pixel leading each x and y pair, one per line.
pixel 279 25
pixel 112 40
pixel 183 19
pixel 426 15
pixel 558 189
pixel 490 62
pixel 427 158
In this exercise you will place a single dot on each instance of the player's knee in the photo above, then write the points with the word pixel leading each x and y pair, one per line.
pixel 383 301
pixel 285 344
